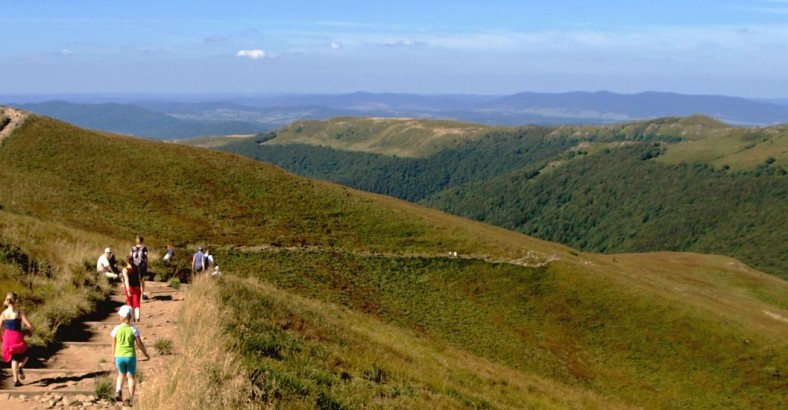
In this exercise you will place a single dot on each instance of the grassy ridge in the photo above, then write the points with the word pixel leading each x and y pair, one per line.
pixel 122 186
pixel 560 321
pixel 405 137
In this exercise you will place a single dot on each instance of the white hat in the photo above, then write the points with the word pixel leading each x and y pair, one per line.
pixel 107 250
pixel 124 311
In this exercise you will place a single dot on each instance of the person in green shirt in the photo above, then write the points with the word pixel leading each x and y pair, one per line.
pixel 124 338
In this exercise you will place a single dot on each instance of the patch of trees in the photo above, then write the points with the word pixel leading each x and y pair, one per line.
pixel 619 201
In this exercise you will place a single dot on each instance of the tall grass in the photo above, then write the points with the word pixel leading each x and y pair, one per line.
pixel 205 374
pixel 52 267
pixel 303 353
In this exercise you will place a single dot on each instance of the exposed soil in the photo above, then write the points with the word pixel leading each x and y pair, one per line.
pixel 66 374
pixel 16 117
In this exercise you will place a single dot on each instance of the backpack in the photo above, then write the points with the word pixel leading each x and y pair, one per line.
pixel 139 256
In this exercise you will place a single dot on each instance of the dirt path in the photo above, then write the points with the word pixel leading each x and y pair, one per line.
pixel 66 376
pixel 16 117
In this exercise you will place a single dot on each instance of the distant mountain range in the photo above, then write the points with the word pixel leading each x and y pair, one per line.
pixel 175 117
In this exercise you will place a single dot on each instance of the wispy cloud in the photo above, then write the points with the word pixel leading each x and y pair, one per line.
pixel 402 43
pixel 215 39
pixel 335 46
pixel 253 54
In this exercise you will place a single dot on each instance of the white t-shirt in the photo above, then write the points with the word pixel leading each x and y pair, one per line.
pixel 102 265
pixel 115 331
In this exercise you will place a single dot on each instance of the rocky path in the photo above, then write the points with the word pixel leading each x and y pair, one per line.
pixel 67 375
pixel 15 116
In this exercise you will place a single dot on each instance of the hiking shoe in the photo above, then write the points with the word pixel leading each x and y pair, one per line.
pixel 118 396
pixel 17 384
pixel 21 374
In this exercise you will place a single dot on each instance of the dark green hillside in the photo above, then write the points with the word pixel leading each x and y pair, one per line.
pixel 495 153
pixel 682 184
pixel 623 201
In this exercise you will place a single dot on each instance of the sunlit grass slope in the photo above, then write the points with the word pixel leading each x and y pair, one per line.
pixel 51 267
pixel 405 137
pixel 121 186
pixel 651 336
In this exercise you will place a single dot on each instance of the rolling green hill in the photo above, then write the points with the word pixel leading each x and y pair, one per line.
pixel 678 184
pixel 335 298
pixel 403 137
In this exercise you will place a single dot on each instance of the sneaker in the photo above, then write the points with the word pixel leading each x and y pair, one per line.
pixel 17 384
pixel 118 396
pixel 21 374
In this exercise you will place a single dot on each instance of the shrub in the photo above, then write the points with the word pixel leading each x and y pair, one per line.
pixel 158 278
pixel 175 283
pixel 163 346
pixel 104 387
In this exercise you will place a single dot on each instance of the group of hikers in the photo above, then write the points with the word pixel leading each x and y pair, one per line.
pixel 125 337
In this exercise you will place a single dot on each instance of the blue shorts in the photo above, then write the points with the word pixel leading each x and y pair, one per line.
pixel 126 365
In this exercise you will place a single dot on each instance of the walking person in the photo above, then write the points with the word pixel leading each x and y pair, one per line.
pixel 198 261
pixel 13 337
pixel 133 286
pixel 139 253
pixel 124 339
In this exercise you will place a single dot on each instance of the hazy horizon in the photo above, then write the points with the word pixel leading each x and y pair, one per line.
pixel 731 48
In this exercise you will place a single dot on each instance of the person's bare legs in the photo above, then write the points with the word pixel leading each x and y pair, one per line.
pixel 119 386
pixel 19 367
pixel 15 370
pixel 132 386
pixel 137 314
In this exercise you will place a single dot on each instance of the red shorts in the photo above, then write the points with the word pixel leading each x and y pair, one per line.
pixel 136 295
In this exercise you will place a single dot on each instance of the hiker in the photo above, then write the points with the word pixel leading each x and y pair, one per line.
pixel 198 261
pixel 170 253
pixel 106 265
pixel 124 338
pixel 13 337
pixel 134 286
pixel 139 253
pixel 208 260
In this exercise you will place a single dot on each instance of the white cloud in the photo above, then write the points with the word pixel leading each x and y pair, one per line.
pixel 253 54
pixel 66 52
pixel 336 46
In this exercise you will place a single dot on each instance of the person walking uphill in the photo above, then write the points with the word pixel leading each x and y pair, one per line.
pixel 139 253
pixel 198 261
pixel 134 287
pixel 13 338
pixel 124 339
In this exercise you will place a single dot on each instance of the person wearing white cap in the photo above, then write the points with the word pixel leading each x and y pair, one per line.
pixel 106 265
pixel 124 338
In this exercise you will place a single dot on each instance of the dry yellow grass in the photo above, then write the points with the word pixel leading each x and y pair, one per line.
pixel 204 375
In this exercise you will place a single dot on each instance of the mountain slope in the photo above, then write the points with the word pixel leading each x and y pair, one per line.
pixel 679 184
pixel 319 261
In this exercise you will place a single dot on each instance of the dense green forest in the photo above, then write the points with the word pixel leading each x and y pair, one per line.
pixel 414 179
pixel 624 201
pixel 594 188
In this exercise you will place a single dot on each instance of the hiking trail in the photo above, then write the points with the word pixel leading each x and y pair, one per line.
pixel 65 374
pixel 15 117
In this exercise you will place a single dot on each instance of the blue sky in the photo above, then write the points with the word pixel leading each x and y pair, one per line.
pixel 427 47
